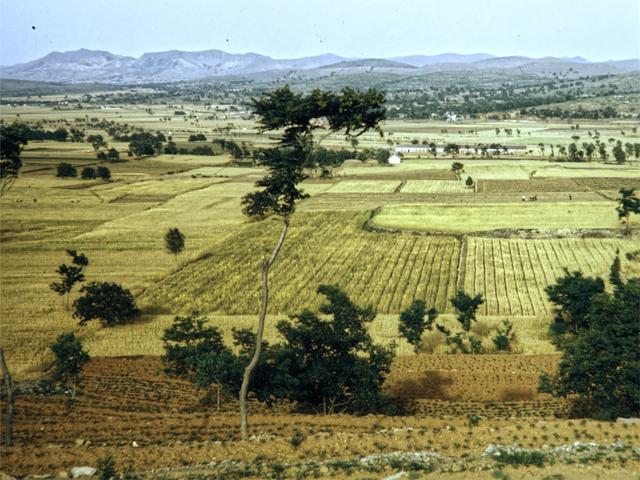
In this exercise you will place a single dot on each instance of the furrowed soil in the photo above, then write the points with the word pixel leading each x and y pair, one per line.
pixel 176 427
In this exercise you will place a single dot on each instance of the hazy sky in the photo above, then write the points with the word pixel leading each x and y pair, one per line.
pixel 595 29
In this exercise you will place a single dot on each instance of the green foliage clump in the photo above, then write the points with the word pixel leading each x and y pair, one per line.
pixel 174 241
pixel 66 170
pixel 103 173
pixel 70 358
pixel 329 365
pixel 572 295
pixel 467 307
pixel 70 274
pixel 107 468
pixel 107 302
pixel 413 322
pixel 88 173
pixel 504 337
pixel 601 360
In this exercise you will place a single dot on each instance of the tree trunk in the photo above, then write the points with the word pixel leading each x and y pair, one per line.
pixel 8 385
pixel 246 377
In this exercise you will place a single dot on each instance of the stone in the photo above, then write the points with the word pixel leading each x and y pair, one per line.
pixel 62 474
pixel 79 442
pixel 83 472
pixel 627 421
pixel 134 444
pixel 396 476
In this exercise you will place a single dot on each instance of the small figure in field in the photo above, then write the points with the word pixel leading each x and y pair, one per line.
pixel 524 199
pixel 570 198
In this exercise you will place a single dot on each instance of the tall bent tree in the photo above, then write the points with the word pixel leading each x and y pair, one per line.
pixel 303 122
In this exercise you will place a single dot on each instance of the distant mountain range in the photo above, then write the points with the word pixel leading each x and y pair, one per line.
pixel 97 66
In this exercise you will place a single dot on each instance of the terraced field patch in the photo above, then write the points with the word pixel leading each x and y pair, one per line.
pixel 386 271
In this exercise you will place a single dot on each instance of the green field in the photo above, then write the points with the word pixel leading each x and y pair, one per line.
pixel 120 225
pixel 494 216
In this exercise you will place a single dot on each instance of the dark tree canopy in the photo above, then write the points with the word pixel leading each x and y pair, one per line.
pixel 601 364
pixel 572 296
pixel 70 274
pixel 88 173
pixel 66 170
pixel 324 364
pixel 107 302
pixel 13 138
pixel 174 241
pixel 335 364
pixel 103 173
pixel 301 116
pixel 414 320
pixel 70 358
pixel 628 204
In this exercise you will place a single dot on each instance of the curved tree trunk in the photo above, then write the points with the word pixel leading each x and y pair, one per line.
pixel 8 385
pixel 246 377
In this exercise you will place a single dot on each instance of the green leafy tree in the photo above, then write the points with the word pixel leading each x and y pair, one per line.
pixel 70 359
pixel 171 148
pixel 628 204
pixel 145 144
pixel 199 354
pixel 334 362
pixel 504 337
pixel 97 142
pixel 66 170
pixel 415 320
pixel 615 275
pixel 13 138
pixel 103 173
pixel 70 275
pixel 467 308
pixel 111 155
pixel 602 151
pixel 77 135
pixel 601 364
pixel 457 167
pixel 619 153
pixel 469 182
pixel 174 241
pixel 572 296
pixel 88 173
pixel 107 302
pixel 300 118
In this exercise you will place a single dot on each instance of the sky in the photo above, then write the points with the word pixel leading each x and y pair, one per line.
pixel 595 29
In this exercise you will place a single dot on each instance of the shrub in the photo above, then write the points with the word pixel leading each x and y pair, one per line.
pixel 107 302
pixel 103 173
pixel 70 358
pixel 66 170
pixel 88 173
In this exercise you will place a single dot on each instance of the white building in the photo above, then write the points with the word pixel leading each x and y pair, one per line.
pixel 394 160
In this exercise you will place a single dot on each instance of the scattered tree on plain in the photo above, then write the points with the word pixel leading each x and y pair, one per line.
pixel 174 241
pixel 70 275
pixel 103 173
pixel 415 320
pixel 571 294
pixel 601 360
pixel 628 204
pixel 301 117
pixel 88 173
pixel 13 139
pixel 70 359
pixel 107 302
pixel 66 170
pixel 504 337
pixel 328 365
pixel 467 307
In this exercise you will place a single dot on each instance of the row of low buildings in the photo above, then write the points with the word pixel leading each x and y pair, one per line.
pixel 478 148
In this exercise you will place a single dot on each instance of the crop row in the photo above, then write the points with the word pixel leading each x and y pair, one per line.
pixel 512 274
pixel 385 270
